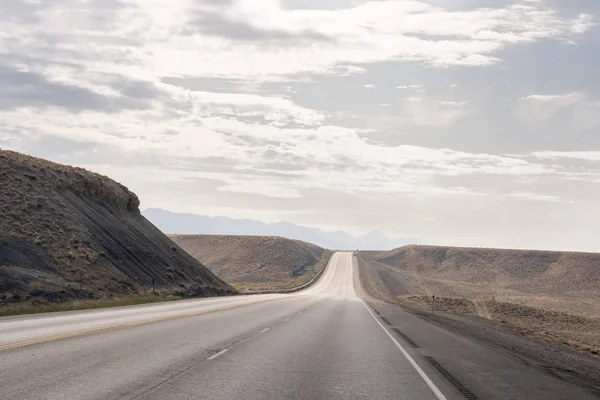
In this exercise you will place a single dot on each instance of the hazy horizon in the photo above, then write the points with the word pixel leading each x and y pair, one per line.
pixel 194 224
pixel 417 241
pixel 467 123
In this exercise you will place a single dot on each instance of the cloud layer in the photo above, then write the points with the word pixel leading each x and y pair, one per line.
pixel 367 114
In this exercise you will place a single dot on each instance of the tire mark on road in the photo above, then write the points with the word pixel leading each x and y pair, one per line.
pixel 455 382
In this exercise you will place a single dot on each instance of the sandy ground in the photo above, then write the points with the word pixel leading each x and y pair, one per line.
pixel 256 262
pixel 548 295
pixel 553 280
pixel 563 339
pixel 571 331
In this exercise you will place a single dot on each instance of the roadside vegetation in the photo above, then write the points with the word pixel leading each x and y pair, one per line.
pixel 28 308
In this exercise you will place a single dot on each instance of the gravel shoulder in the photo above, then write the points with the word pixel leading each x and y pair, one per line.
pixel 561 343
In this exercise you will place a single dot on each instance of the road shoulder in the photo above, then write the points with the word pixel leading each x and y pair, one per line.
pixel 482 339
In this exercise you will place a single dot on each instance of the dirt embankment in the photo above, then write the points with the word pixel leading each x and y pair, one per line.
pixel 546 295
pixel 562 281
pixel 256 262
pixel 67 233
pixel 571 331
pixel 567 341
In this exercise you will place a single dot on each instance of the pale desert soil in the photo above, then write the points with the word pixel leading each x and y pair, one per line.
pixel 550 296
pixel 256 262
pixel 568 342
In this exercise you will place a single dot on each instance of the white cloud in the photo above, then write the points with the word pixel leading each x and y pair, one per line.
pixel 436 113
pixel 586 116
pixel 161 40
pixel 261 187
pixel 537 108
pixel 528 196
pixel 247 105
pixel 252 133
pixel 346 70
pixel 575 155
pixel 409 87
pixel 324 156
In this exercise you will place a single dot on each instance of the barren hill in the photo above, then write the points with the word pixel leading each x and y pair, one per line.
pixel 69 233
pixel 567 281
pixel 548 295
pixel 257 262
pixel 551 296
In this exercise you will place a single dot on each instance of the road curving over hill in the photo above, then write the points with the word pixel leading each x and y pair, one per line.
pixel 322 343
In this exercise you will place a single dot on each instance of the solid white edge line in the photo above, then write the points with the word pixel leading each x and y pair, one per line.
pixel 264 330
pixel 428 381
pixel 217 354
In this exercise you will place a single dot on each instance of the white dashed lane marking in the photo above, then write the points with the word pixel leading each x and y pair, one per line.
pixel 218 354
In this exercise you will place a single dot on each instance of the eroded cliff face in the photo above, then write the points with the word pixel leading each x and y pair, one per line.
pixel 69 233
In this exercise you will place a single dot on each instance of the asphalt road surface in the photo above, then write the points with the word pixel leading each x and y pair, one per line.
pixel 322 343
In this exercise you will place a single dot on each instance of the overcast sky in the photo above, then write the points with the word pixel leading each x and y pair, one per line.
pixel 461 122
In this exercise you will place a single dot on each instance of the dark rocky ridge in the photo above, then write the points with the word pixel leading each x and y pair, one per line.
pixel 69 233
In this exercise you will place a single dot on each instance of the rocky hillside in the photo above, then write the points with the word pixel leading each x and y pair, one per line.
pixel 255 262
pixel 566 281
pixel 68 233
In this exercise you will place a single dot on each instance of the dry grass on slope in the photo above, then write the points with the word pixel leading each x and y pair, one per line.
pixel 575 332
pixel 255 262
pixel 564 281
pixel 67 233
pixel 548 295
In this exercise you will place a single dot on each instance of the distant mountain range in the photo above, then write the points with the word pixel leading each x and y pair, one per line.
pixel 175 223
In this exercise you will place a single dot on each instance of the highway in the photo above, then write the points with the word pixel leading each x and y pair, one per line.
pixel 322 343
